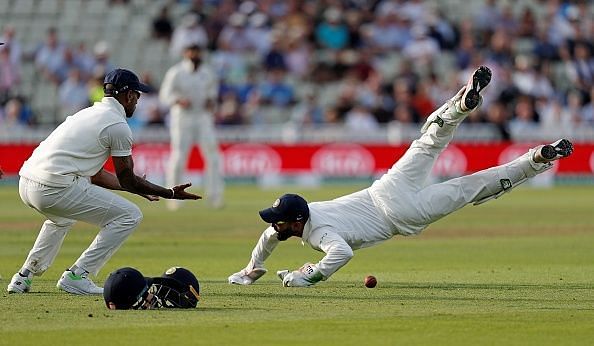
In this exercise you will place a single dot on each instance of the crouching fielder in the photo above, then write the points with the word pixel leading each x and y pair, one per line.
pixel 398 203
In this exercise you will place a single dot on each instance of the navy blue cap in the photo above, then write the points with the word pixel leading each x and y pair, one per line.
pixel 123 80
pixel 125 287
pixel 289 207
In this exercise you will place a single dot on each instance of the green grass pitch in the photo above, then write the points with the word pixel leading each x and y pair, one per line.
pixel 518 270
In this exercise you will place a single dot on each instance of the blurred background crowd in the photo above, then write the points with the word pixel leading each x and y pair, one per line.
pixel 359 64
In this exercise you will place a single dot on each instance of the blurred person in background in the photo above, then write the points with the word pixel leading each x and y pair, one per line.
pixel 190 88
pixel 9 39
pixel 49 57
pixel 332 33
pixel 189 30
pixel 73 94
pixel 162 28
pixel 10 74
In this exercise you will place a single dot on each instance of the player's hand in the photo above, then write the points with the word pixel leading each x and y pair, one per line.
pixel 151 198
pixel 307 275
pixel 180 193
pixel 184 103
pixel 246 277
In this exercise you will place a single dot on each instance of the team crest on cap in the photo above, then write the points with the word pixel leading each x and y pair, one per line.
pixel 170 270
pixel 276 203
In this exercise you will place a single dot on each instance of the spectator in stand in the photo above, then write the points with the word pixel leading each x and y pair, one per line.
pixel 307 111
pixel 525 119
pixel 10 74
pixel 580 68
pixel 17 115
pixel 84 60
pixel 296 20
pixel 275 90
pixel 95 86
pixel 299 57
pixel 9 39
pixel 234 34
pixel 588 110
pixel 332 33
pixel 527 24
pixel 162 28
pixel 422 49
pixel 229 112
pixel 259 33
pixel 102 52
pixel 360 119
pixel 149 110
pixel 499 49
pixel 497 114
pixel 73 94
pixel 403 101
pixel 230 65
pixel 555 118
pixel 486 16
pixel 441 30
pixel 421 101
pixel 275 58
pixel 544 49
pixel 387 32
pixel 49 57
pixel 189 30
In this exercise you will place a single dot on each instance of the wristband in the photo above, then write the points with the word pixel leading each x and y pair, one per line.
pixel 172 192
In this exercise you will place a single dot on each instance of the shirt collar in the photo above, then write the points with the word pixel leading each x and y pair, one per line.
pixel 111 102
pixel 306 230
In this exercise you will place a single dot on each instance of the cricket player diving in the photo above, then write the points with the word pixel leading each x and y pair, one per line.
pixel 399 203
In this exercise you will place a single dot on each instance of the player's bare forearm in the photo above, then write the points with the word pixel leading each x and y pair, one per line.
pixel 131 182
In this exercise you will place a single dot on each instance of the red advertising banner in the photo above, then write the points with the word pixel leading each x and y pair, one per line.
pixel 331 160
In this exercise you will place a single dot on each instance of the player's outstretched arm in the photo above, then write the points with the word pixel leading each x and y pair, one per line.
pixel 255 267
pixel 124 167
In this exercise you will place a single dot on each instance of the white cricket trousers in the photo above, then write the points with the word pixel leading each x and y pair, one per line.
pixel 407 203
pixel 184 129
pixel 81 201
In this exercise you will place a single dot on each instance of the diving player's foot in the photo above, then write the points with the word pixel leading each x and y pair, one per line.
pixel 465 100
pixel 471 97
pixel 554 151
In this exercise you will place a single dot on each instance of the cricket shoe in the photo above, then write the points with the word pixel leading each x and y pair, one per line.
pixel 19 284
pixel 465 100
pixel 471 97
pixel 554 151
pixel 78 284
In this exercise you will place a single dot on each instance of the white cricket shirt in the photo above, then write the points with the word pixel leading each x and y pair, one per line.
pixel 81 145
pixel 335 227
pixel 181 81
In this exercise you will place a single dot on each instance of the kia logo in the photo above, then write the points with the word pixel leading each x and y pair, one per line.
pixel 251 160
pixel 343 160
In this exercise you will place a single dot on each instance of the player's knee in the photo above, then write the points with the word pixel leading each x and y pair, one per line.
pixel 133 217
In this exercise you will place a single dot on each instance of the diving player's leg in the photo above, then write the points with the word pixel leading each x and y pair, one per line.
pixel 439 200
pixel 416 164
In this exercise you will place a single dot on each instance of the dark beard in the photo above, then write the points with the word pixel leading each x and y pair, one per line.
pixel 283 236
